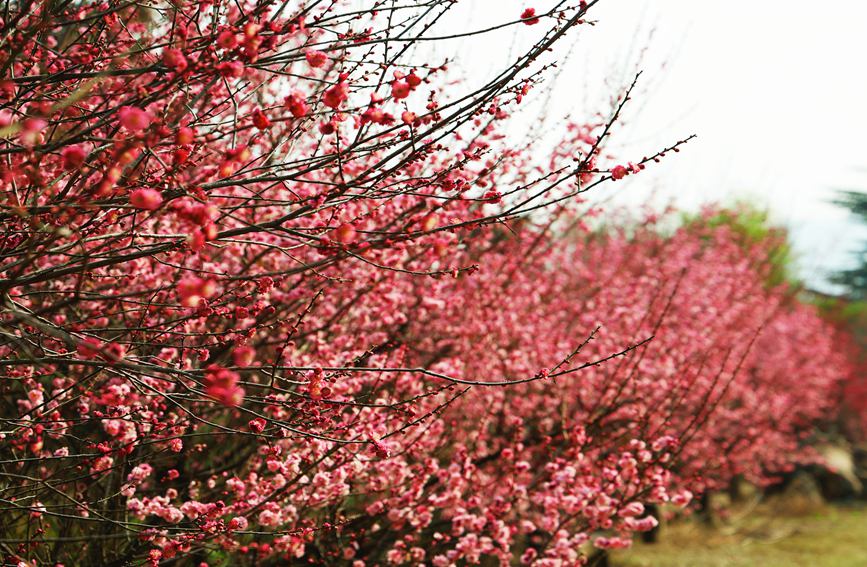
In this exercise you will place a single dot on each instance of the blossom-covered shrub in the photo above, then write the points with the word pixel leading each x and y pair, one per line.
pixel 273 290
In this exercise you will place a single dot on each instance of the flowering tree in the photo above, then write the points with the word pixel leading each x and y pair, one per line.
pixel 273 289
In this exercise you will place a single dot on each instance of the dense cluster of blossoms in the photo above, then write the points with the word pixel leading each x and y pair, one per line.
pixel 272 291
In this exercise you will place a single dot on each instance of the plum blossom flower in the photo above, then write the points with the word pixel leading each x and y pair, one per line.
pixel 134 119
pixel 335 95
pixel 315 58
pixel 192 290
pixel 222 384
pixel 73 157
pixel 238 523
pixel 147 199
pixel 529 16
pixel 618 172
pixel 174 59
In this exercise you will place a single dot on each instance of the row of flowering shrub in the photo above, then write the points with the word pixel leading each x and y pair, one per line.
pixel 524 410
pixel 274 290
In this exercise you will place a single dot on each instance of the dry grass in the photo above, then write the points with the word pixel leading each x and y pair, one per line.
pixel 772 534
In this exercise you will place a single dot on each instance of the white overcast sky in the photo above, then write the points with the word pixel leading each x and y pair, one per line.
pixel 775 89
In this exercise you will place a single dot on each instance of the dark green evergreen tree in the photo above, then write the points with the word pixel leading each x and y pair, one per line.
pixel 854 279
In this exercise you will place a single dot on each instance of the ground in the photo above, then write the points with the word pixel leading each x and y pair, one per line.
pixel 828 537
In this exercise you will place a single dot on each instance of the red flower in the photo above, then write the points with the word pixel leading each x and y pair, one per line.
pixel 73 157
pixel 227 39
pixel 345 233
pixel 335 95
pixel 185 135
pixel 238 523
pixel 174 59
pixel 193 289
pixel 147 199
pixel 133 119
pixel 89 348
pixel 92 348
pixel 400 89
pixel 222 385
pixel 31 131
pixel 230 69
pixel 315 58
pixel 180 156
pixel 619 172
pixel 297 105
pixel 243 355
pixel 380 449
pixel 7 90
pixel 260 120
pixel 529 16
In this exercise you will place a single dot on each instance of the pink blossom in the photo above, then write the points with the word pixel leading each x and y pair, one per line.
pixel 315 58
pixel 269 519
pixel 335 95
pixel 400 89
pixel 147 199
pixel 529 16
pixel 192 290
pixel 257 425
pixel 243 355
pixel 73 157
pixel 133 119
pixel 174 59
pixel 619 172
pixel 238 523
pixel 222 384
